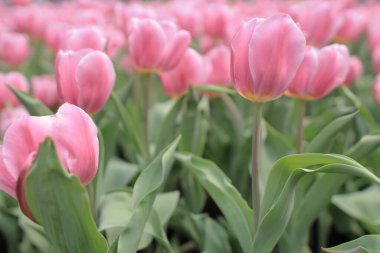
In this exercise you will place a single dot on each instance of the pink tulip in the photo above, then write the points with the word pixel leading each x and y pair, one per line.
pixel 333 65
pixel 75 138
pixel 44 88
pixel 265 55
pixel 354 24
pixel 376 89
pixel 14 79
pixel 155 46
pixel 14 48
pixel 355 70
pixel 187 17
pixel 10 115
pixel 189 71
pixel 219 59
pixel 300 86
pixel 84 78
pixel 319 20
pixel 215 18
pixel 84 37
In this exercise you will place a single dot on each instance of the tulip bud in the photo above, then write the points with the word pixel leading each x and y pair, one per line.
pixel 14 79
pixel 353 25
pixel 44 88
pixel 265 55
pixel 84 78
pixel 355 70
pixel 219 59
pixel 155 46
pixel 10 115
pixel 14 48
pixel 75 137
pixel 84 37
pixel 188 72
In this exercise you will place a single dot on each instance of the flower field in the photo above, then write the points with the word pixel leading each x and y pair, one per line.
pixel 190 126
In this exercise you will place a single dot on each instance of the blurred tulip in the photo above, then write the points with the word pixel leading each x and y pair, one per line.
pixel 10 115
pixel 44 88
pixel 332 69
pixel 265 56
pixel 14 79
pixel 84 37
pixel 189 71
pixel 353 25
pixel 355 70
pixel 155 46
pixel 376 89
pixel 14 48
pixel 75 138
pixel 215 19
pixel 84 78
pixel 319 20
pixel 300 85
pixel 219 59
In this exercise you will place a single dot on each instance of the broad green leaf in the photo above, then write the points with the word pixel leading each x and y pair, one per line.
pixel 324 137
pixel 216 240
pixel 32 105
pixel 143 197
pixel 278 200
pixel 366 145
pixel 364 244
pixel 235 209
pixel 118 174
pixel 9 231
pixel 363 206
pixel 166 131
pixel 60 204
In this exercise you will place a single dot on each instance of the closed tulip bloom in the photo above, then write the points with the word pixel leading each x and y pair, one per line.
pixel 14 79
pixel 84 37
pixel 189 71
pixel 300 86
pixel 10 115
pixel 14 48
pixel 219 59
pixel 265 55
pixel 75 138
pixel 44 88
pixel 84 78
pixel 155 46
pixel 376 89
pixel 355 70
pixel 333 65
pixel 353 25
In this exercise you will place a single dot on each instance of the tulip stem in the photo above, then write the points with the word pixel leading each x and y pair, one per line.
pixel 300 127
pixel 256 164
pixel 147 90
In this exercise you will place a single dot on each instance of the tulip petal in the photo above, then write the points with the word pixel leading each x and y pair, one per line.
pixel 7 181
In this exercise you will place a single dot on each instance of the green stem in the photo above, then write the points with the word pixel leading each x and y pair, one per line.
pixel 147 90
pixel 256 164
pixel 300 127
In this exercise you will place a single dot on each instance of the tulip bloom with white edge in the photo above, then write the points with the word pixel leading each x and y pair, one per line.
pixel 75 138
pixel 84 78
pixel 265 55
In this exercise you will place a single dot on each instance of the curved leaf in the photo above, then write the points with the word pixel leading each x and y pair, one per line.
pixel 364 244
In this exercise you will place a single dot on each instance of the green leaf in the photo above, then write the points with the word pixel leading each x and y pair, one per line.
pixel 34 106
pixel 118 174
pixel 278 200
pixel 60 204
pixel 216 240
pixel 324 137
pixel 366 145
pixel 364 244
pixel 235 209
pixel 144 195
pixel 214 88
pixel 363 206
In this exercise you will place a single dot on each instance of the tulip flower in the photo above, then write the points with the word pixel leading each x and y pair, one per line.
pixel 14 79
pixel 14 48
pixel 84 37
pixel 219 59
pixel 155 46
pixel 10 115
pixel 75 138
pixel 44 88
pixel 265 55
pixel 84 78
pixel 189 71
pixel 353 25
pixel 355 70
